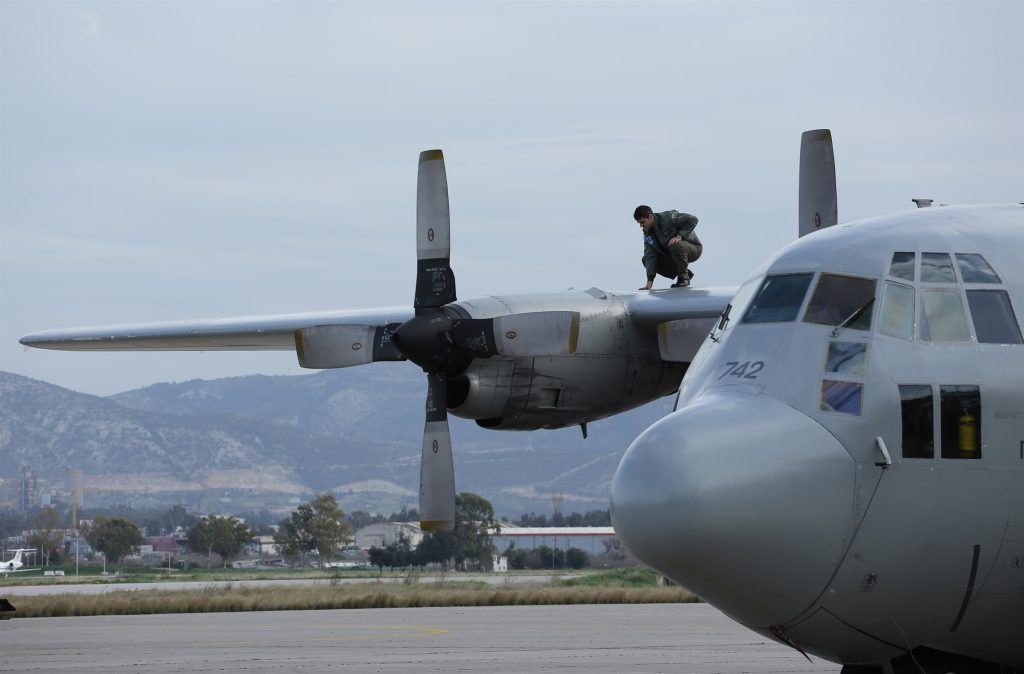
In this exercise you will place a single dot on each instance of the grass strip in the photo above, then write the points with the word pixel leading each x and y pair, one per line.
pixel 223 599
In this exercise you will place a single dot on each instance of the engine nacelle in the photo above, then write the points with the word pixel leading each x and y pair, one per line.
pixel 616 367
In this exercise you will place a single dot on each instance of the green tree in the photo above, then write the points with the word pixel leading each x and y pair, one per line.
pixel 469 541
pixel 318 525
pixel 576 558
pixel 226 536
pixel 517 557
pixel 379 557
pixel 406 514
pixel 179 516
pixel 294 535
pixel 357 519
pixel 329 529
pixel 48 535
pixel 435 548
pixel 115 537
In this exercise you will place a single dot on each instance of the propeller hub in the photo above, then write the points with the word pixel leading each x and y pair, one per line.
pixel 426 340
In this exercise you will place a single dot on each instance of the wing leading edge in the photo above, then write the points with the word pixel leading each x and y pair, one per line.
pixel 247 333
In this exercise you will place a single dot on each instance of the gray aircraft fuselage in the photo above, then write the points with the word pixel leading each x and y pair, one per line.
pixel 845 469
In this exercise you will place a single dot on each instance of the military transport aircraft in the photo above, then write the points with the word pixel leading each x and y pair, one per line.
pixel 844 470
pixel 14 564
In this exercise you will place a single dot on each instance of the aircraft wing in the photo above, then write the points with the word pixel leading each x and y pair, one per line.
pixel 651 309
pixel 250 333
pixel 682 318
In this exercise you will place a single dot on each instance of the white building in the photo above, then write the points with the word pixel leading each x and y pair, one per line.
pixel 384 534
pixel 588 539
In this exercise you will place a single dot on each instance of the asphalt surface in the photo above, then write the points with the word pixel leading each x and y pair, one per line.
pixel 603 639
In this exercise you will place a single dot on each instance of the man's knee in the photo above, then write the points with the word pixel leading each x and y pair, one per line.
pixel 686 251
pixel 680 252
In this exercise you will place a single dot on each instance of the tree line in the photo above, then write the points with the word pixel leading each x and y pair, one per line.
pixel 591 518
pixel 466 547
pixel 321 526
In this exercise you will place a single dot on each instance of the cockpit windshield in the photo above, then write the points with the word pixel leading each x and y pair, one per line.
pixel 734 311
pixel 842 301
pixel 778 299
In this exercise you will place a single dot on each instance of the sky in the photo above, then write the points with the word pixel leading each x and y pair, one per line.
pixel 176 160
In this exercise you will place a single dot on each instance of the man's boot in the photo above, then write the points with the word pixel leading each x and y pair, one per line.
pixel 683 282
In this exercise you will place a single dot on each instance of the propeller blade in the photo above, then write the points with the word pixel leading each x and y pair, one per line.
pixel 435 280
pixel 331 346
pixel 539 333
pixel 437 472
pixel 818 207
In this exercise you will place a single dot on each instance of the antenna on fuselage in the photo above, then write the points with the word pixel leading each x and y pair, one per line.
pixel 818 201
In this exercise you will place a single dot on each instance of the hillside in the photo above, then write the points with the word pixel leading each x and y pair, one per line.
pixel 266 441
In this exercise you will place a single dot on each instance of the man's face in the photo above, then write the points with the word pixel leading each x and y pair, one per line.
pixel 646 222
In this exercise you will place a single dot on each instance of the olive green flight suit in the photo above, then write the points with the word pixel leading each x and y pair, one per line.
pixel 671 261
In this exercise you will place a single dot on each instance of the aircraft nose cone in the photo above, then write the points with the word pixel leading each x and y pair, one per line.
pixel 741 499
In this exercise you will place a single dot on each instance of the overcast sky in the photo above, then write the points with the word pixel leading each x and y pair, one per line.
pixel 179 160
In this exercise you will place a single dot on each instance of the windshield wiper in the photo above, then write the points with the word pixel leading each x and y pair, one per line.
pixel 722 321
pixel 852 317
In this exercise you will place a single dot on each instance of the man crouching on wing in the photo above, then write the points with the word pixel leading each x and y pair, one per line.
pixel 670 244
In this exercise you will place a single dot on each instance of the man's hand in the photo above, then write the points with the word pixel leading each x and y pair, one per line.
pixel 649 285
pixel 674 240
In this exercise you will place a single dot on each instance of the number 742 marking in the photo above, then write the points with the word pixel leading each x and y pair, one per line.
pixel 747 369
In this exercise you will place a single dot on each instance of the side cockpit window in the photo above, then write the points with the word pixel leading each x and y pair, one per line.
pixel 842 301
pixel 960 422
pixel 918 424
pixel 778 299
pixel 994 322
pixel 734 310
pixel 960 430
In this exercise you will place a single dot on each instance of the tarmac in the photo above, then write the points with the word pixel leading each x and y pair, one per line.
pixel 603 639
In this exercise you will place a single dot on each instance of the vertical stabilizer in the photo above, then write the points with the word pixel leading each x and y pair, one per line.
pixel 818 202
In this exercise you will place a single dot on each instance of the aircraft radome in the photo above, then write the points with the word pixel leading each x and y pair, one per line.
pixel 844 470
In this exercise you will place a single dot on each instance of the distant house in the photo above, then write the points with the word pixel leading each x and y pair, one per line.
pixel 588 539
pixel 266 545
pixel 384 534
pixel 162 544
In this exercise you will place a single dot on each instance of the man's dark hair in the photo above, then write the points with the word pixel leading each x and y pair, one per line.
pixel 642 212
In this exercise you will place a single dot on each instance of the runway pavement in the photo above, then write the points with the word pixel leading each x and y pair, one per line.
pixel 604 639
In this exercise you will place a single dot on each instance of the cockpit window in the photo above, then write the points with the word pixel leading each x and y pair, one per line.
pixel 778 299
pixel 942 316
pixel 902 266
pixel 842 301
pixel 897 315
pixel 975 269
pixel 936 268
pixel 841 396
pixel 846 357
pixel 994 322
pixel 736 307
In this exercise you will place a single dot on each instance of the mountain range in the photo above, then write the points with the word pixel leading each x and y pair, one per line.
pixel 262 442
